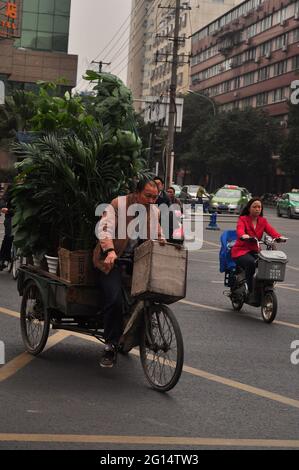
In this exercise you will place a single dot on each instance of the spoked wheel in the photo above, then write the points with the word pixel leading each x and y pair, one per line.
pixel 16 263
pixel 269 307
pixel 161 348
pixel 35 320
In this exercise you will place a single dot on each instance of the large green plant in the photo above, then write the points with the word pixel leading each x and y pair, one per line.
pixel 63 179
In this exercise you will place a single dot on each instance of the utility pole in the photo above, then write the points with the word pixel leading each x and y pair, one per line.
pixel 176 39
pixel 101 63
pixel 172 98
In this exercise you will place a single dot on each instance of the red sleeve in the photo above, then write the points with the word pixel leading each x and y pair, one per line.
pixel 241 227
pixel 270 230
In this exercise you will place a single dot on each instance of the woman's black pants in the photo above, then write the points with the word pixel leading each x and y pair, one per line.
pixel 248 263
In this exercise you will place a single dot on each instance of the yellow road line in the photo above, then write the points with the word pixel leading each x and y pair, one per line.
pixel 218 309
pixel 292 267
pixel 21 361
pixel 148 440
pixel 222 380
pixel 244 387
pixel 288 288
pixel 9 312
pixel 16 364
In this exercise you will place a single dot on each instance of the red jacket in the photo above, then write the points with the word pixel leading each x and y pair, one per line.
pixel 245 226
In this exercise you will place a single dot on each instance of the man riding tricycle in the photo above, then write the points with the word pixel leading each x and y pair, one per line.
pixel 107 310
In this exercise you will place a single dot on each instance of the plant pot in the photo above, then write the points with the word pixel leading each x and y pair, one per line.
pixel 52 264
pixel 36 261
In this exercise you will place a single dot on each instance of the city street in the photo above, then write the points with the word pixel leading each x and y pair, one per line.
pixel 239 388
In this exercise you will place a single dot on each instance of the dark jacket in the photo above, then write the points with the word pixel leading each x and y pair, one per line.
pixel 163 198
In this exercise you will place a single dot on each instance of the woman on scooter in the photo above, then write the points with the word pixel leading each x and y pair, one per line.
pixel 251 224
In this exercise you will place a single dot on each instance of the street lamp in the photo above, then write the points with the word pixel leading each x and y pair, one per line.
pixel 206 97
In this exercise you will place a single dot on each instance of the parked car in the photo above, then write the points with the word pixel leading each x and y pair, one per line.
pixel 229 199
pixel 288 205
pixel 188 195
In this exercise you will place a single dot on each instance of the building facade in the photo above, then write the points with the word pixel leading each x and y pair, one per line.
pixel 38 51
pixel 151 44
pixel 249 56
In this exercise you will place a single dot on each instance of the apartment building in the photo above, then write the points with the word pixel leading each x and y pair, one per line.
pixel 34 43
pixel 151 44
pixel 249 56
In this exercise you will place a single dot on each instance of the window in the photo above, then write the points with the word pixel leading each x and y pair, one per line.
pixel 248 79
pixel 266 48
pixel 278 95
pixel 280 67
pixel 295 62
pixel 29 21
pixel 263 73
pixel 46 6
pixel 44 41
pixel 280 41
pixel 28 39
pixel 236 83
pixel 45 25
pixel 262 99
pixel 30 5
pixel 296 35
pixel 266 23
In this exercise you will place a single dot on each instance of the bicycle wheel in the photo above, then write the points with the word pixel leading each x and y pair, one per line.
pixel 161 348
pixel 269 307
pixel 16 263
pixel 35 319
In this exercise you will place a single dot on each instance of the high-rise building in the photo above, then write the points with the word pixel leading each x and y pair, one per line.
pixel 34 43
pixel 150 50
pixel 249 56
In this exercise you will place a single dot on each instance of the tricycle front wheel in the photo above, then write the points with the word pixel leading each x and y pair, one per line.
pixel 35 319
pixel 161 348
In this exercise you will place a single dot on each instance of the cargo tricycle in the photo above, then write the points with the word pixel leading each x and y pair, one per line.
pixel 48 301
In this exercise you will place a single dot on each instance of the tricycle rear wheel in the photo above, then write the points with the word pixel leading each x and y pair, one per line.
pixel 35 319
pixel 161 348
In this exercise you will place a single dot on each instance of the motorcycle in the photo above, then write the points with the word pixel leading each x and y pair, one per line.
pixel 270 268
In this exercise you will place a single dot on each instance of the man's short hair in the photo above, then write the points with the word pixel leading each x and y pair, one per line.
pixel 143 182
pixel 157 178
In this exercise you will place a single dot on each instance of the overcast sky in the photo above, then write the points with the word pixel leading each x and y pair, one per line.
pixel 93 25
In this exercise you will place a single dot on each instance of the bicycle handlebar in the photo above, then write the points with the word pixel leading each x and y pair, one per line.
pixel 267 243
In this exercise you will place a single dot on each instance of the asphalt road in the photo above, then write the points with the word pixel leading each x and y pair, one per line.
pixel 239 388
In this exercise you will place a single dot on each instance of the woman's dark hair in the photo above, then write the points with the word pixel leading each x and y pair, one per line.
pixel 246 210
pixel 143 182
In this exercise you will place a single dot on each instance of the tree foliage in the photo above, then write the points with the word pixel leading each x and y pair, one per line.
pixel 233 147
pixel 65 175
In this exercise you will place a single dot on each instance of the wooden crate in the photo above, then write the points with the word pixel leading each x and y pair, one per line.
pixel 76 267
pixel 159 272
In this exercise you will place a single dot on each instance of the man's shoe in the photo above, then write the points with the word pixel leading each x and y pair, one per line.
pixel 109 356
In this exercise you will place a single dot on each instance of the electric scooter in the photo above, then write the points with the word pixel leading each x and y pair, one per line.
pixel 270 268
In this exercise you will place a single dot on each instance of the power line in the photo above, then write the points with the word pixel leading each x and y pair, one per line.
pixel 118 31
pixel 115 36
pixel 128 40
